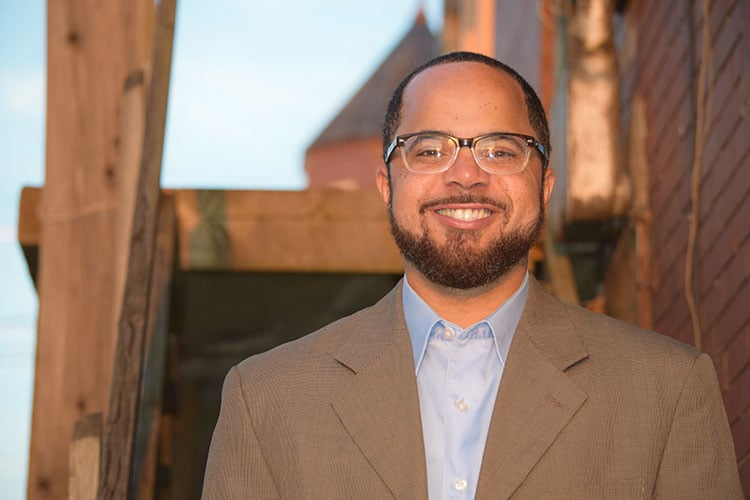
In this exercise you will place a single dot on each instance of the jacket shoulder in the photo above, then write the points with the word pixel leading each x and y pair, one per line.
pixel 556 323
pixel 315 353
pixel 600 332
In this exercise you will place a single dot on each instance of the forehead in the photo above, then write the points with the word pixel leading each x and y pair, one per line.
pixel 464 98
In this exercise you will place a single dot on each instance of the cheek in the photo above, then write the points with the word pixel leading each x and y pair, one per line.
pixel 407 190
pixel 398 196
pixel 403 203
pixel 523 194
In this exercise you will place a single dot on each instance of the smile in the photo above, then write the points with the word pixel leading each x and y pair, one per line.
pixel 465 214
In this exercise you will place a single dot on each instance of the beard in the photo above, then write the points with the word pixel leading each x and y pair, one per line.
pixel 459 264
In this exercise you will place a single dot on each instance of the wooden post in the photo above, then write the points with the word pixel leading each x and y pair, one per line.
pixel 91 47
pixel 145 453
pixel 84 457
pixel 119 433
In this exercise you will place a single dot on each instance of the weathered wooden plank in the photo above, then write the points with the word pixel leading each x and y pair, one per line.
pixel 132 123
pixel 301 231
pixel 84 457
pixel 116 475
pixel 298 231
pixel 90 50
pixel 145 454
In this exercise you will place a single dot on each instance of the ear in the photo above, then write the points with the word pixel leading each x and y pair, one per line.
pixel 384 186
pixel 547 184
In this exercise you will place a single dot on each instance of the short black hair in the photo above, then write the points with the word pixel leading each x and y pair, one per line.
pixel 537 116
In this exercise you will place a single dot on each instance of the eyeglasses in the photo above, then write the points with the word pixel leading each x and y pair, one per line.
pixel 434 152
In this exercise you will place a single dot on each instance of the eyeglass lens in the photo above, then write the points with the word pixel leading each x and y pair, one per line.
pixel 498 153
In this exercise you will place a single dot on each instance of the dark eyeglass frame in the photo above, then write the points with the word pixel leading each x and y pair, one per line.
pixel 460 142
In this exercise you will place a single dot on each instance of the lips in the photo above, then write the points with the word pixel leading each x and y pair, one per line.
pixel 465 211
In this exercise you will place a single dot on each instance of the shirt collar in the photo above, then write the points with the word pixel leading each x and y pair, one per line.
pixel 421 319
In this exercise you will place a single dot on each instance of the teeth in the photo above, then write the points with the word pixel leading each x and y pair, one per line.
pixel 465 214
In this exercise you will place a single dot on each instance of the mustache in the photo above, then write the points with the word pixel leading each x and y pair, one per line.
pixel 463 199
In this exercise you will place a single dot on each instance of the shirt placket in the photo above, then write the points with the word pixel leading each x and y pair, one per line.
pixel 455 408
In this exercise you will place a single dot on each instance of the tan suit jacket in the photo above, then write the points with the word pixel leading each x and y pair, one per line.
pixel 588 408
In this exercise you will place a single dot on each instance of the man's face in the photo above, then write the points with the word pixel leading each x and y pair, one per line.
pixel 465 228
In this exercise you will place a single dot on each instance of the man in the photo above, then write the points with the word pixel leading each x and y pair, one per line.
pixel 468 380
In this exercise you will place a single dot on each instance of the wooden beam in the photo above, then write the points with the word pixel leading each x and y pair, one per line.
pixel 91 47
pixel 117 453
pixel 28 228
pixel 300 231
pixel 296 231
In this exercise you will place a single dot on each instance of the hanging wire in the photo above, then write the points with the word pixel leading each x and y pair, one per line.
pixel 702 114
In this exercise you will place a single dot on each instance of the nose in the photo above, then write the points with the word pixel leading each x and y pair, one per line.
pixel 465 172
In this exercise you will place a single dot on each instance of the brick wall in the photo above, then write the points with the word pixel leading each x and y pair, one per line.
pixel 669 37
pixel 348 165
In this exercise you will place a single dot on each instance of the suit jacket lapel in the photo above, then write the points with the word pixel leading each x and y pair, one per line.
pixel 536 398
pixel 380 406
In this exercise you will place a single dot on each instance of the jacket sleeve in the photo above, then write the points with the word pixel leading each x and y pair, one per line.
pixel 699 460
pixel 236 467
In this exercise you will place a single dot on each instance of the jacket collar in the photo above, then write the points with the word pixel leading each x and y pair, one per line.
pixel 536 399
pixel 380 407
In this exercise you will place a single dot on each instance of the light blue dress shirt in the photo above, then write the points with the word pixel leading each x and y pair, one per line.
pixel 458 376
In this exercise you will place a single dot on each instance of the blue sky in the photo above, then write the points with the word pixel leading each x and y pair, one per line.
pixel 253 83
pixel 21 163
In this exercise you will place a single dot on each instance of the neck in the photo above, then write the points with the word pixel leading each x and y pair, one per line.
pixel 466 307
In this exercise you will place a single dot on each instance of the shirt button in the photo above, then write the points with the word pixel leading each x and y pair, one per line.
pixel 461 405
pixel 448 334
pixel 460 484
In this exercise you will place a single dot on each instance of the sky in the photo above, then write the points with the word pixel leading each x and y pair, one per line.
pixel 253 84
pixel 21 163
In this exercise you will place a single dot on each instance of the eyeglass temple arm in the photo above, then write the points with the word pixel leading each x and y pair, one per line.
pixel 390 149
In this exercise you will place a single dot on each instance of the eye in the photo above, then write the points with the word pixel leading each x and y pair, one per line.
pixel 428 152
pixel 501 148
pixel 427 149
pixel 498 154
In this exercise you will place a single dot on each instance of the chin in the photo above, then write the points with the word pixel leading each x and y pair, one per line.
pixel 466 260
